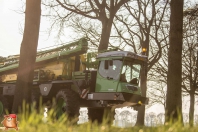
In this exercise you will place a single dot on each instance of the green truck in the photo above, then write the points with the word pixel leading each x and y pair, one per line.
pixel 66 74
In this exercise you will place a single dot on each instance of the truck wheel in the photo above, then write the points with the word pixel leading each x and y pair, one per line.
pixel 96 114
pixel 3 105
pixel 67 102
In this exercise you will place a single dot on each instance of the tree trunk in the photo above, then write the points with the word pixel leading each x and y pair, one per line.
pixel 27 54
pixel 106 31
pixel 141 110
pixel 191 110
pixel 173 97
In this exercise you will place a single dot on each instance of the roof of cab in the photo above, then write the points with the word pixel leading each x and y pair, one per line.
pixel 122 54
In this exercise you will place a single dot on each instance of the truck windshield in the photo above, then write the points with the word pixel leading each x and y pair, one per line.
pixel 130 72
pixel 113 71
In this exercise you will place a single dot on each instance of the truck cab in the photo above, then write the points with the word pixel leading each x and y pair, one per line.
pixel 118 78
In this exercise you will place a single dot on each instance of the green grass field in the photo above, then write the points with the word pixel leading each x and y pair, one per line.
pixel 33 122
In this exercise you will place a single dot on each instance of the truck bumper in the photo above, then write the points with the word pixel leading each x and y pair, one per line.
pixel 125 97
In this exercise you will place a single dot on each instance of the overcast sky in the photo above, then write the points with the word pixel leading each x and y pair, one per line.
pixel 9 28
pixel 11 24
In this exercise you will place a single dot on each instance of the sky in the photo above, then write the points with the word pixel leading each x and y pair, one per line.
pixel 11 28
pixel 10 37
pixel 11 24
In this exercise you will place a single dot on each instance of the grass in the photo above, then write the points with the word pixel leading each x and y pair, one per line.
pixel 33 122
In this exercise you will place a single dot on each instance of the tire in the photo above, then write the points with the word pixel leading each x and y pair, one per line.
pixel 67 102
pixel 3 105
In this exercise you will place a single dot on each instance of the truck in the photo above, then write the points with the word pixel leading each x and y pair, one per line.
pixel 74 78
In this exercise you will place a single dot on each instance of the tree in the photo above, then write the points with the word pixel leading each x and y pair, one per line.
pixel 136 25
pixel 156 93
pixel 189 63
pixel 103 11
pixel 190 58
pixel 174 78
pixel 27 54
pixel 143 27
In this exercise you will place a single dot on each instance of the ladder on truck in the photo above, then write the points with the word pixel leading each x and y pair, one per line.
pixel 60 51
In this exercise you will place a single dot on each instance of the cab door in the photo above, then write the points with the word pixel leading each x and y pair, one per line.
pixel 108 75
